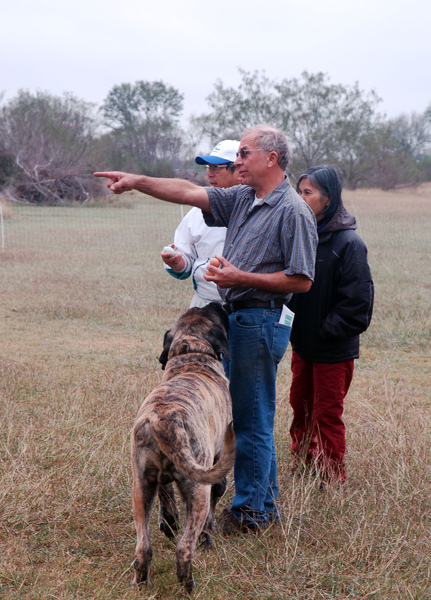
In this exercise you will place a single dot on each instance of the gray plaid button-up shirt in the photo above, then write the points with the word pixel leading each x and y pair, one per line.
pixel 278 234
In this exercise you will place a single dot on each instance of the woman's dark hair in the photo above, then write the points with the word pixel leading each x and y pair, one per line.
pixel 327 180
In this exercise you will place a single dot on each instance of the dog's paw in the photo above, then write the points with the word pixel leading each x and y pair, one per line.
pixel 140 584
pixel 169 528
pixel 206 541
pixel 142 575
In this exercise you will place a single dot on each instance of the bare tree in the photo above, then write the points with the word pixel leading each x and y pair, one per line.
pixel 232 110
pixel 325 122
pixel 143 119
pixel 46 137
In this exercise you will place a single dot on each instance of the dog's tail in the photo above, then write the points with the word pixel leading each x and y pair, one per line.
pixel 174 442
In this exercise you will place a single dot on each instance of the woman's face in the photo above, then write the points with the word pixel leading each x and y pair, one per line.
pixel 314 198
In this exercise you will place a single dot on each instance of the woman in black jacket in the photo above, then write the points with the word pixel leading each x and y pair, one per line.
pixel 326 328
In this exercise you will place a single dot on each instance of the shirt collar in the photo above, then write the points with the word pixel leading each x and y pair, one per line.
pixel 273 197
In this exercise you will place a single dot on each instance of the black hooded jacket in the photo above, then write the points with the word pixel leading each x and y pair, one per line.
pixel 338 307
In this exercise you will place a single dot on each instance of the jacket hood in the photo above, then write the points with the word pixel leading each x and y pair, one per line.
pixel 340 221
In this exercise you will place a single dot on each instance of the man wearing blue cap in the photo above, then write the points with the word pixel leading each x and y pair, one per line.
pixel 194 242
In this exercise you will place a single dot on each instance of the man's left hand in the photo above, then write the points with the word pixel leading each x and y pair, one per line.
pixel 225 276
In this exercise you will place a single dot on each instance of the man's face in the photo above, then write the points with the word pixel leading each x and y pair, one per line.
pixel 251 162
pixel 221 176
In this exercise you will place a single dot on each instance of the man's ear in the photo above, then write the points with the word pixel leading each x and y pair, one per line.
pixel 272 158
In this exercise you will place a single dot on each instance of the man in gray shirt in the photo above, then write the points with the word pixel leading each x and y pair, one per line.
pixel 269 253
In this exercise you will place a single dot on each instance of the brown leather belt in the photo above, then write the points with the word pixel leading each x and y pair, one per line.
pixel 231 307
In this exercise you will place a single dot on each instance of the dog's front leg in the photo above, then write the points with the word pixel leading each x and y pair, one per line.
pixel 197 504
pixel 144 493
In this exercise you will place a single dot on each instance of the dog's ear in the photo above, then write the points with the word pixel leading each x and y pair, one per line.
pixel 219 342
pixel 218 336
pixel 167 341
pixel 217 309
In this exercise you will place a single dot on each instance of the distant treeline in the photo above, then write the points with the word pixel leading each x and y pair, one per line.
pixel 50 145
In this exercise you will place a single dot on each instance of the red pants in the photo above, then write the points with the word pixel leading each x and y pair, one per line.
pixel 316 396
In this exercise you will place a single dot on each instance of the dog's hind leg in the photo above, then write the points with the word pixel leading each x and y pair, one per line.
pixel 144 493
pixel 168 511
pixel 197 504
pixel 217 491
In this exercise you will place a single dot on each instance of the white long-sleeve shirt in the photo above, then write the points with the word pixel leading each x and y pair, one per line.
pixel 198 243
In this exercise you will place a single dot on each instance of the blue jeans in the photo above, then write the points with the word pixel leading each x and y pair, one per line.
pixel 257 343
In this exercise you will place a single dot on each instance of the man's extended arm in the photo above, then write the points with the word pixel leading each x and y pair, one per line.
pixel 178 191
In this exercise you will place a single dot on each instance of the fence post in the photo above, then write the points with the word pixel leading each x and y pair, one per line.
pixel 1 227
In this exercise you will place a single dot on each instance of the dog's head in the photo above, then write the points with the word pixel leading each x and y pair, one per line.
pixel 203 330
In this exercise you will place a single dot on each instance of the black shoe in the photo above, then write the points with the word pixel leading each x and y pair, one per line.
pixel 231 525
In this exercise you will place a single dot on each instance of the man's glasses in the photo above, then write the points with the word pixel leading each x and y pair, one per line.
pixel 243 152
pixel 217 167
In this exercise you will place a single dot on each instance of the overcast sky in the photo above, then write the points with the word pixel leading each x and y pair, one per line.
pixel 88 46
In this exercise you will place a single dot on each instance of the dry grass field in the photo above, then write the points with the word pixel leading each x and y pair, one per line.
pixel 84 306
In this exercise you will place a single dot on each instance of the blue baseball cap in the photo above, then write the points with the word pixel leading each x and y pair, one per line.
pixel 224 152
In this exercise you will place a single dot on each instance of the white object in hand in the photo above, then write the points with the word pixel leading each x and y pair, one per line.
pixel 169 250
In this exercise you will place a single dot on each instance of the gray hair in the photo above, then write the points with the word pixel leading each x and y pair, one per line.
pixel 269 139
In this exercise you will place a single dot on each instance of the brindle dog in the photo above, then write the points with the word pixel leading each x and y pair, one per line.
pixel 183 433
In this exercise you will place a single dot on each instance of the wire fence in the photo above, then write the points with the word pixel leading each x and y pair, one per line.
pixel 140 225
